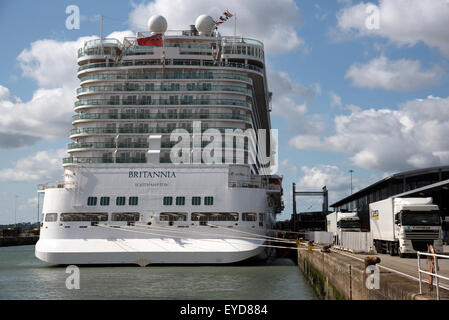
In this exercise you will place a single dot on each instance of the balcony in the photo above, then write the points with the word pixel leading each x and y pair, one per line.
pixel 167 75
pixel 155 102
pixel 171 62
pixel 141 116
pixel 92 160
pixel 90 131
pixel 137 145
pixel 102 160
pixel 146 88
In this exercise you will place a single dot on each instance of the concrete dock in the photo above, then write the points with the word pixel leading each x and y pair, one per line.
pixel 341 275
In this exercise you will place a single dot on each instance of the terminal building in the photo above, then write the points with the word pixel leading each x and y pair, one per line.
pixel 430 182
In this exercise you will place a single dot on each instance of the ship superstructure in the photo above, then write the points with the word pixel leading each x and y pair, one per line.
pixel 141 184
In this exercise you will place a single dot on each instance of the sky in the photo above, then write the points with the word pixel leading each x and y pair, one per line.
pixel 356 85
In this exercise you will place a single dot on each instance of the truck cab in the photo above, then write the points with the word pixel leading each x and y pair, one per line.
pixel 417 225
pixel 348 221
pixel 338 222
pixel 405 225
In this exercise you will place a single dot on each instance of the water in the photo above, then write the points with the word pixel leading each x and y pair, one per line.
pixel 22 276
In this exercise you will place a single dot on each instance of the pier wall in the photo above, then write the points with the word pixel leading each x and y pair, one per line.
pixel 336 277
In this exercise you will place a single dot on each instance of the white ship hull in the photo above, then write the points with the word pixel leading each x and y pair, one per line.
pixel 147 251
pixel 151 240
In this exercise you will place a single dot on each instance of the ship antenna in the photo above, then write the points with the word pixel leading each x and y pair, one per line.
pixel 101 33
pixel 235 26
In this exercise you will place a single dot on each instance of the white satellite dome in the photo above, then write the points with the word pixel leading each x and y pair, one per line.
pixel 205 25
pixel 157 24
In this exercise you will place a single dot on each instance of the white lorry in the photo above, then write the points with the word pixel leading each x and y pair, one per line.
pixel 404 226
pixel 338 222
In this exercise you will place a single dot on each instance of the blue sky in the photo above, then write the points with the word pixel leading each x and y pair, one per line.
pixel 345 96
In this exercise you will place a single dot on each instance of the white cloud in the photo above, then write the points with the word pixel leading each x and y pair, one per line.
pixel 287 168
pixel 403 22
pixel 30 203
pixel 53 65
pixel 286 94
pixel 413 136
pixel 273 22
pixel 323 175
pixel 46 115
pixel 44 165
pixel 398 75
pixel 336 181
pixel 335 100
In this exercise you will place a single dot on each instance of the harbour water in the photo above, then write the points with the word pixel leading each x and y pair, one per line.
pixel 22 276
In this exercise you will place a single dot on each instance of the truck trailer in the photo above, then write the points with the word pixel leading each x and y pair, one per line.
pixel 403 226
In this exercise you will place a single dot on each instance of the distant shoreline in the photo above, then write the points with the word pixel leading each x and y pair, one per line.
pixel 18 241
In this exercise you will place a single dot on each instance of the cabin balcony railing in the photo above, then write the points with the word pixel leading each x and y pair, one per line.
pixel 106 130
pixel 89 160
pixel 137 116
pixel 154 102
pixel 166 75
pixel 171 62
pixel 135 145
pixel 146 88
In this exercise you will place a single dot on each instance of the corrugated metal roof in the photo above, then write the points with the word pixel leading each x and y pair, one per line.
pixel 405 174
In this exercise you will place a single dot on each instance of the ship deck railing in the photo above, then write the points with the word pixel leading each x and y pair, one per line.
pixel 147 88
pixel 206 75
pixel 135 116
pixel 53 185
pixel 161 102
pixel 172 62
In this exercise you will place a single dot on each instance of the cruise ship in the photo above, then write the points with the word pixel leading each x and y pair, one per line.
pixel 166 163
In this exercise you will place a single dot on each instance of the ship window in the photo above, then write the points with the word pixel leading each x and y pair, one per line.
pixel 209 201
pixel 180 201
pixel 173 216
pixel 145 100
pixel 133 201
pixel 104 201
pixel 215 216
pixel 262 216
pixel 168 201
pixel 92 201
pixel 90 216
pixel 51 217
pixel 120 201
pixel 149 87
pixel 125 216
pixel 249 216
pixel 173 99
pixel 196 201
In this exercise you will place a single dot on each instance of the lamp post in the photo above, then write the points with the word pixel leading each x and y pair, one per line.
pixel 351 171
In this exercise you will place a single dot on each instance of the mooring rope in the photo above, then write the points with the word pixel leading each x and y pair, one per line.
pixel 258 237
pixel 126 228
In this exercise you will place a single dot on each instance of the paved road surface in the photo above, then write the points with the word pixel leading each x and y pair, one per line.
pixel 409 266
